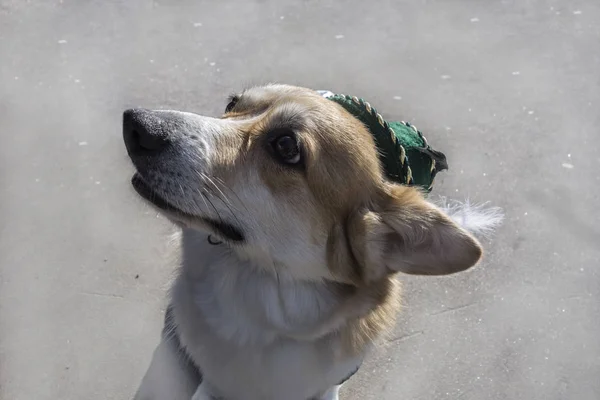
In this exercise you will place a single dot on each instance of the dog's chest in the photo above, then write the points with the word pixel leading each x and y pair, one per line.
pixel 234 323
pixel 284 370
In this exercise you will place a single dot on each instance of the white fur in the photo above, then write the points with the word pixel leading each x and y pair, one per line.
pixel 169 375
pixel 479 219
pixel 240 326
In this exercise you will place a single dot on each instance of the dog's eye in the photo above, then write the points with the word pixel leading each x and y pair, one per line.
pixel 232 102
pixel 287 148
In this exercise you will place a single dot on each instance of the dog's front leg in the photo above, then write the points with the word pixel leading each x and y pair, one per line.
pixel 202 393
pixel 331 394
pixel 171 375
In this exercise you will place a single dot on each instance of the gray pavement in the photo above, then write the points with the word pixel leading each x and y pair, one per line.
pixel 510 90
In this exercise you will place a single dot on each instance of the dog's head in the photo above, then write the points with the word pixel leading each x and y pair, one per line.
pixel 293 181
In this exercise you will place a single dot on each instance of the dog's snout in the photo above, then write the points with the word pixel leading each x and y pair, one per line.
pixel 143 133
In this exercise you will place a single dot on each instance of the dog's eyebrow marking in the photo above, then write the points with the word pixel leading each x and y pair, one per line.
pixel 287 115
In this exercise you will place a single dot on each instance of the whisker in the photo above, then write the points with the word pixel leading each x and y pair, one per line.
pixel 233 214
pixel 212 206
pixel 219 180
pixel 220 195
pixel 223 197
pixel 202 197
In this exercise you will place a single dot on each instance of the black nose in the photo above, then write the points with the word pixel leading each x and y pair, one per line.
pixel 143 133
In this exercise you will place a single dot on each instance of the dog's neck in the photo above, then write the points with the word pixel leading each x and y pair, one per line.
pixel 249 304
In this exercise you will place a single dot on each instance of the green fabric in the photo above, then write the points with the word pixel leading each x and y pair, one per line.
pixel 403 151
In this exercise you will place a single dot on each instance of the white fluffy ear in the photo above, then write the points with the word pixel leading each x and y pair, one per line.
pixel 407 234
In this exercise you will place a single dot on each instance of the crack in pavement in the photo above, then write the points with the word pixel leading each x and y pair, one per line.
pixel 453 309
pixel 402 338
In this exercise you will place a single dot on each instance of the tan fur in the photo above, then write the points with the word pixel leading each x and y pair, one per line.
pixel 365 330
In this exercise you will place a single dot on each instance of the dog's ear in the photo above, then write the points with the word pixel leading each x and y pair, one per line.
pixel 401 232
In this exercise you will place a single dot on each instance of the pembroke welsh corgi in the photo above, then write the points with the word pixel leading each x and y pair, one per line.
pixel 291 243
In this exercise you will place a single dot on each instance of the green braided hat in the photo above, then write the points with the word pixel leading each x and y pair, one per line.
pixel 404 152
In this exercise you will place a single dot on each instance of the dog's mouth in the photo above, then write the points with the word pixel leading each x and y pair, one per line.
pixel 223 229
pixel 147 193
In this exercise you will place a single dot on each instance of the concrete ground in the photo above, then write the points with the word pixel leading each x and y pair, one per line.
pixel 509 90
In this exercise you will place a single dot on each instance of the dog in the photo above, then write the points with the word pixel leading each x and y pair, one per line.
pixel 291 243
